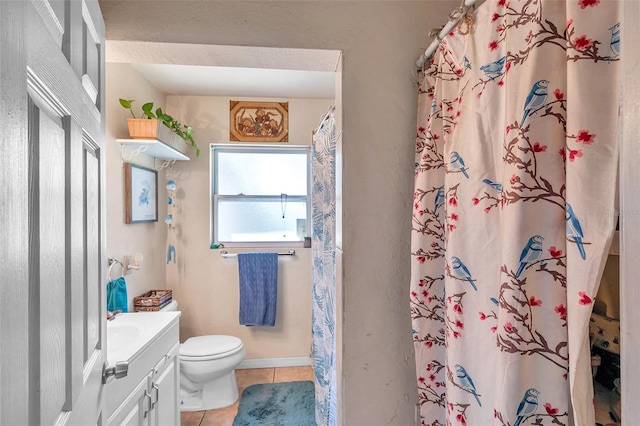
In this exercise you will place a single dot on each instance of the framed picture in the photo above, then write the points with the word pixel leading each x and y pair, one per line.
pixel 141 194
pixel 259 121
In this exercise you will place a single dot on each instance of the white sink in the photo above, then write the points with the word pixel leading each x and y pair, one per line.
pixel 129 333
pixel 121 334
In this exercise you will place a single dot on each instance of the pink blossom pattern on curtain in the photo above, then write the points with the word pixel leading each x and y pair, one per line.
pixel 515 177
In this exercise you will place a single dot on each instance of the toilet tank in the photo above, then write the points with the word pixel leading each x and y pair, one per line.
pixel 172 306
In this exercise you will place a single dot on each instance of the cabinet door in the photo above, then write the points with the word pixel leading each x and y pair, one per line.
pixel 165 390
pixel 133 417
pixel 135 408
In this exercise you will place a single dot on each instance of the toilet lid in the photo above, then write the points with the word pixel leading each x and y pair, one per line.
pixel 206 346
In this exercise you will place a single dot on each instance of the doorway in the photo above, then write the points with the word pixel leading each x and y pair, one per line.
pixel 202 282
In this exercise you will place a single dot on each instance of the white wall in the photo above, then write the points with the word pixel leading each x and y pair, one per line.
pixel 122 81
pixel 205 284
pixel 380 41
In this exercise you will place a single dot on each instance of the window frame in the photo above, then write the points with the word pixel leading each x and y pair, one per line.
pixel 215 197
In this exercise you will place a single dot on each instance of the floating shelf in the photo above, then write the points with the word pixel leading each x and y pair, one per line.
pixel 154 148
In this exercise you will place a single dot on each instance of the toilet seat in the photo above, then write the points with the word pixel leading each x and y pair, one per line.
pixel 205 348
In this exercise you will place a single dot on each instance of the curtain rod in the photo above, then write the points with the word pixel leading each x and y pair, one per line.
pixel 454 19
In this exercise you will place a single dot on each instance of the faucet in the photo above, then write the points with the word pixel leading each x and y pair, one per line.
pixel 112 315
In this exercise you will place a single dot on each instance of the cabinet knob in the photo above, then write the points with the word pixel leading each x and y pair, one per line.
pixel 120 370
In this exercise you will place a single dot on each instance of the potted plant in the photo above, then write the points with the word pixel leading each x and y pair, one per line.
pixel 147 126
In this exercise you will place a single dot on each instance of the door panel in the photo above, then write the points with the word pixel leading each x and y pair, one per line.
pixel 52 182
pixel 75 288
pixel 50 67
pixel 52 13
pixel 47 140
pixel 91 64
pixel 93 301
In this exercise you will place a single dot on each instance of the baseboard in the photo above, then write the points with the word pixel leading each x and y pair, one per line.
pixel 292 361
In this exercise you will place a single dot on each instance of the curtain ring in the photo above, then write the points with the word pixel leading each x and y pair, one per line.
pixel 466 24
pixel 458 12
pixel 435 33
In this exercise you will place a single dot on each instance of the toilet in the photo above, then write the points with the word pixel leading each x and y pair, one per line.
pixel 207 370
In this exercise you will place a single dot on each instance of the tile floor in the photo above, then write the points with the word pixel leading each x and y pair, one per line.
pixel 245 378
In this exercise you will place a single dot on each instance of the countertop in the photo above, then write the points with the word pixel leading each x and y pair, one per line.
pixel 149 326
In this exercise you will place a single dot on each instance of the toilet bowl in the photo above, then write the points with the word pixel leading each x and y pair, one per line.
pixel 207 370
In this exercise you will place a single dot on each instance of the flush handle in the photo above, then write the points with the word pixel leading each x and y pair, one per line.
pixel 120 370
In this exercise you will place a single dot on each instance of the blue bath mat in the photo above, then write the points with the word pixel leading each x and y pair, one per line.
pixel 277 404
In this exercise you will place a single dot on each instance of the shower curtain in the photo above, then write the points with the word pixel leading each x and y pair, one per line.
pixel 515 177
pixel 323 209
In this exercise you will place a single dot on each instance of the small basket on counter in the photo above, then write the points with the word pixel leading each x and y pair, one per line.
pixel 152 301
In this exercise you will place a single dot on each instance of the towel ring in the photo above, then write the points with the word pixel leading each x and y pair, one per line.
pixel 112 262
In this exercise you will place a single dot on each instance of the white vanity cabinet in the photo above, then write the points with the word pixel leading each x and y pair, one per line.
pixel 165 391
pixel 129 413
pixel 148 396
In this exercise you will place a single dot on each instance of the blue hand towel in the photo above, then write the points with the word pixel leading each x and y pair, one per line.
pixel 258 288
pixel 117 295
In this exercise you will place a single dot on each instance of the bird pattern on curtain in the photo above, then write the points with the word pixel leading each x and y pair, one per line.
pixel 515 177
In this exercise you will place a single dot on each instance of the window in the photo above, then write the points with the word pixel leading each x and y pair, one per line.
pixel 260 194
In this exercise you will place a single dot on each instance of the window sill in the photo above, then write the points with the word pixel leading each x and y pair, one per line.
pixel 260 245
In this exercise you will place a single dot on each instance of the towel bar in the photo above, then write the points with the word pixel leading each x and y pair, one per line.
pixel 225 253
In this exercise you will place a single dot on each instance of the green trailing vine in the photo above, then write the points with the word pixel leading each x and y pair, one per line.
pixel 182 130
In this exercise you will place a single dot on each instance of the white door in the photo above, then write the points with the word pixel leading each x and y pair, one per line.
pixel 52 269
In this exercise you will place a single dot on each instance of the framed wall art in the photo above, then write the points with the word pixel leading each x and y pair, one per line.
pixel 259 121
pixel 141 194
